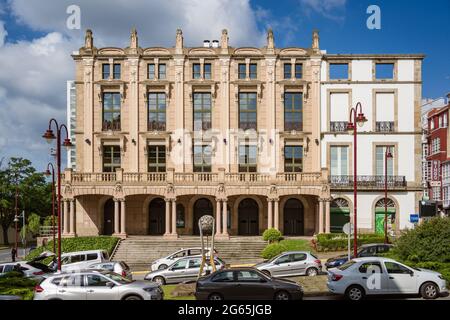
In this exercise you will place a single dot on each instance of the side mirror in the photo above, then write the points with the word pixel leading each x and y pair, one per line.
pixel 411 273
pixel 110 285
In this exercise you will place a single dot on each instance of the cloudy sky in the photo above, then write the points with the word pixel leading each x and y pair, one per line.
pixel 35 44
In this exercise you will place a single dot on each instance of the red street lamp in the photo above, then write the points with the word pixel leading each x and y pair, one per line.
pixel 52 173
pixel 49 136
pixel 356 119
pixel 16 210
pixel 387 155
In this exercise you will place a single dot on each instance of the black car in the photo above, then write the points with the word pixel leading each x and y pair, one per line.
pixel 246 284
pixel 367 250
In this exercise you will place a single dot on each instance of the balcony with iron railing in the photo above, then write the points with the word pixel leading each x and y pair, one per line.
pixel 338 126
pixel 111 125
pixel 368 182
pixel 385 126
pixel 293 126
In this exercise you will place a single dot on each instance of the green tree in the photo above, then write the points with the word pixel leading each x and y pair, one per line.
pixel 34 193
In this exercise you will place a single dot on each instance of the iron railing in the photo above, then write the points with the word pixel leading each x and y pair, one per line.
pixel 368 181
pixel 385 126
pixel 338 126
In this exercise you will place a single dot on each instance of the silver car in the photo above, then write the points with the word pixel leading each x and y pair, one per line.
pixel 184 269
pixel 119 267
pixel 291 263
pixel 95 285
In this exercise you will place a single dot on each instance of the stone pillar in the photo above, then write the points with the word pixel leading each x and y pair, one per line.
pixel 122 218
pixel 218 218
pixel 320 216
pixel 167 233
pixel 327 215
pixel 174 218
pixel 72 216
pixel 116 216
pixel 66 217
pixel 276 214
pixel 224 218
pixel 269 214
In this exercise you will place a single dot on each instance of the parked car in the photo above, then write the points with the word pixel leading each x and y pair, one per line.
pixel 164 262
pixel 246 284
pixel 29 269
pixel 95 285
pixel 81 260
pixel 374 276
pixel 184 269
pixel 291 263
pixel 119 267
pixel 367 250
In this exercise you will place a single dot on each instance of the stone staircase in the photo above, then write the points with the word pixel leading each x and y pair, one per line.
pixel 139 251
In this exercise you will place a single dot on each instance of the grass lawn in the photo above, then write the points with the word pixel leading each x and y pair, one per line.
pixel 168 293
pixel 296 245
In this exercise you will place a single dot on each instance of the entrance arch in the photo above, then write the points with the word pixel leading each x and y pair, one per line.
pixel 157 216
pixel 108 217
pixel 380 213
pixel 294 218
pixel 202 207
pixel 248 217
pixel 339 214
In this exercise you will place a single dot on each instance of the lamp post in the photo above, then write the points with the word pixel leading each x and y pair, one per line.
pixel 49 136
pixel 24 236
pixel 356 119
pixel 16 210
pixel 52 173
pixel 387 155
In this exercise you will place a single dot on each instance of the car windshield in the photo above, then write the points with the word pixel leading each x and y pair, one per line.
pixel 117 278
pixel 346 265
pixel 274 258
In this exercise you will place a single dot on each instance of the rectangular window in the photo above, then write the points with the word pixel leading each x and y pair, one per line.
pixel 111 111
pixel 162 71
pixel 151 71
pixel 202 158
pixel 293 111
pixel 287 71
pixel 156 112
pixel 298 71
pixel 338 71
pixel 156 158
pixel 339 160
pixel 207 71
pixel 339 106
pixel 247 111
pixel 111 158
pixel 196 71
pixel 384 71
pixel 202 111
pixel 253 71
pixel 293 159
pixel 380 154
pixel 247 158
pixel 385 110
pixel 242 71
pixel 116 74
pixel 106 71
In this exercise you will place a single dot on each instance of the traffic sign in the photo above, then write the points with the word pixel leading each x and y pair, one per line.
pixel 348 228
pixel 414 218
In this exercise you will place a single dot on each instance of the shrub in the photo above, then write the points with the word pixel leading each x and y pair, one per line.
pixel 272 250
pixel 13 283
pixel 272 235
pixel 429 241
pixel 339 241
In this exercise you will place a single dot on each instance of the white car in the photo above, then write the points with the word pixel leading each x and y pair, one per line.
pixel 80 260
pixel 164 262
pixel 382 276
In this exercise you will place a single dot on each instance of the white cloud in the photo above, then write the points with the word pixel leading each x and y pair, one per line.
pixel 331 9
pixel 3 33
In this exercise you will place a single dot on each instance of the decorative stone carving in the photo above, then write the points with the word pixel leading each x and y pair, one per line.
pixel 273 190
pixel 118 189
pixel 270 39
pixel 133 39
pixel 179 40
pixel 224 39
pixel 221 188
pixel 67 189
pixel 88 40
pixel 170 189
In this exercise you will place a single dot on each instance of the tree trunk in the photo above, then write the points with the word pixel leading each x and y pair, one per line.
pixel 5 235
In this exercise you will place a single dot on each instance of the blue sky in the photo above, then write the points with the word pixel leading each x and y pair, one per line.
pixel 35 45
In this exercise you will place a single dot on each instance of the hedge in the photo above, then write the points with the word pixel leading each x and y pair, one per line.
pixel 13 283
pixel 274 249
pixel 339 241
pixel 272 235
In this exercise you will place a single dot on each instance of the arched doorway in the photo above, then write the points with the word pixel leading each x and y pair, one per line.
pixel 379 216
pixel 108 217
pixel 248 218
pixel 202 207
pixel 339 215
pixel 294 222
pixel 157 217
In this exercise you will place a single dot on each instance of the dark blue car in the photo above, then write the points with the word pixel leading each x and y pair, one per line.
pixel 367 250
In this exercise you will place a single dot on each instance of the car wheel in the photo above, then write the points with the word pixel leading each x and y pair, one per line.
pixel 266 272
pixel 355 293
pixel 159 280
pixel 133 297
pixel 215 297
pixel 312 272
pixel 282 295
pixel 429 291
pixel 162 267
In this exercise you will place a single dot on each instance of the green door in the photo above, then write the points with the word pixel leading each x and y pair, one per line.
pixel 379 220
pixel 338 218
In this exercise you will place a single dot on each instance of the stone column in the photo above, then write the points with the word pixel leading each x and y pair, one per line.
pixel 167 233
pixel 276 214
pixel 320 216
pixel 218 218
pixel 72 216
pixel 269 214
pixel 116 216
pixel 224 218
pixel 174 218
pixel 327 215
pixel 122 218
pixel 66 217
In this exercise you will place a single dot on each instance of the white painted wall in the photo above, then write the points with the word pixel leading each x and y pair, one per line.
pixel 362 70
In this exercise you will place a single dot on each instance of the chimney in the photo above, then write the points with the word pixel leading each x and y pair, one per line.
pixel 215 43
pixel 206 43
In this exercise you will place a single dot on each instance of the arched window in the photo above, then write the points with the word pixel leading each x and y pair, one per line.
pixel 339 214
pixel 380 210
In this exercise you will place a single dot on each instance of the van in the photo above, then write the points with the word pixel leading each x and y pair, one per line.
pixel 80 260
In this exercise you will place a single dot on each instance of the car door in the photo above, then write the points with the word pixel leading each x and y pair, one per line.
pixel 282 266
pixel 298 264
pixel 193 268
pixel 224 283
pixel 401 279
pixel 252 286
pixel 97 288
pixel 372 278
pixel 177 272
pixel 71 288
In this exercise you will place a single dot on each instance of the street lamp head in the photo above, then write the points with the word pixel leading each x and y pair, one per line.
pixel 350 127
pixel 49 136
pixel 361 119
pixel 47 173
pixel 16 219
pixel 67 143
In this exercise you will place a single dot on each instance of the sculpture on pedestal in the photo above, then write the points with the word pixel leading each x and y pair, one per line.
pixel 207 228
